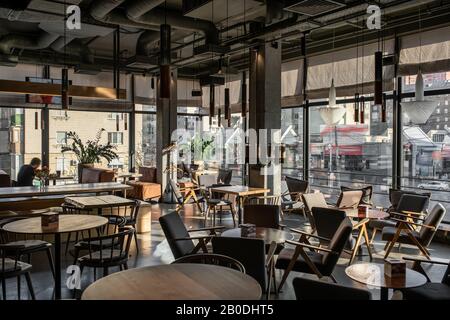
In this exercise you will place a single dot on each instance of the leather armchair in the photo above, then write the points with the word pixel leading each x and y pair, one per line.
pixel 96 175
pixel 147 187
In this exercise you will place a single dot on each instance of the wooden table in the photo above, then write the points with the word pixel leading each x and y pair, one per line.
pixel 241 192
pixel 182 281
pixel 67 223
pixel 372 274
pixel 54 179
pixel 266 234
pixel 18 192
pixel 361 226
pixel 98 202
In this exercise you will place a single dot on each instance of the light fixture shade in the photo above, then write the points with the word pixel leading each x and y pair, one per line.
pixel 419 111
pixel 332 95
pixel 362 107
pixel 332 114
pixel 244 95
pixel 356 108
pixel 384 109
pixel 211 103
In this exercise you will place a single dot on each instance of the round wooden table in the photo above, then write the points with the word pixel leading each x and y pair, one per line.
pixel 372 214
pixel 266 234
pixel 372 275
pixel 184 281
pixel 67 223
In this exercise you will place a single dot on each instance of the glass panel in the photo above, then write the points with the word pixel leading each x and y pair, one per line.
pixel 292 138
pixel 87 125
pixel 20 138
pixel 145 140
pixel 352 154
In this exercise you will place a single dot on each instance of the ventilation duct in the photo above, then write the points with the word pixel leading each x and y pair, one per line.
pixel 145 42
pixel 139 7
pixel 74 47
pixel 42 41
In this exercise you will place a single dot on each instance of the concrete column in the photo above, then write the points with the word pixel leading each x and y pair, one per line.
pixel 166 124
pixel 265 112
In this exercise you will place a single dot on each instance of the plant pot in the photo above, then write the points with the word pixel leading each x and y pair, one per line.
pixel 81 166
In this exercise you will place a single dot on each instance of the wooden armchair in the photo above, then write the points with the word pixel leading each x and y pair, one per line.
pixel 179 239
pixel 185 195
pixel 307 258
pixel 405 231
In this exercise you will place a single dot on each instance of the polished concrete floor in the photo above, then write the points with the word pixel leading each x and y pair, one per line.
pixel 154 251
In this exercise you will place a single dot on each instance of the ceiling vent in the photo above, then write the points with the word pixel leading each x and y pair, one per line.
pixel 312 8
pixel 142 62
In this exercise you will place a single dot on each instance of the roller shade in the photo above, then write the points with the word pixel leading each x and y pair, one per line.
pixel 349 65
pixel 432 57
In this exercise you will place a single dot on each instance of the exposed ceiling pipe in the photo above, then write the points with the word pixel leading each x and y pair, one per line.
pixel 74 47
pixel 177 20
pixel 100 9
pixel 145 42
pixel 137 8
pixel 42 41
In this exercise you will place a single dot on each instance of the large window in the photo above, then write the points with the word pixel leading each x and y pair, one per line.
pixel 20 138
pixel 292 139
pixel 87 125
pixel 352 154
pixel 426 141
pixel 145 137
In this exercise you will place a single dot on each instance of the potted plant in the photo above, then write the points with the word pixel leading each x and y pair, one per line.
pixel 90 152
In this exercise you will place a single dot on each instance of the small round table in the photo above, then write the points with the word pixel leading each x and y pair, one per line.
pixel 67 223
pixel 184 281
pixel 372 214
pixel 267 234
pixel 372 274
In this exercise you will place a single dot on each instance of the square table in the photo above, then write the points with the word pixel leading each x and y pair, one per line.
pixel 98 202
pixel 241 192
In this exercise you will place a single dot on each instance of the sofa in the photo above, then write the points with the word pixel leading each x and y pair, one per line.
pixel 95 175
pixel 147 187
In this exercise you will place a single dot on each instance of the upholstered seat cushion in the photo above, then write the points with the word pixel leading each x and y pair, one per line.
pixel 144 190
pixel 429 291
pixel 285 257
pixel 10 265
pixel 30 244
pixel 388 234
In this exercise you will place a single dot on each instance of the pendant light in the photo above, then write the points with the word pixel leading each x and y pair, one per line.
pixel 362 99
pixel 362 108
pixel 332 113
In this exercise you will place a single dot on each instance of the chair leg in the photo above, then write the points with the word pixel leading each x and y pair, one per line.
pixel 136 240
pixel 19 287
pixel 50 262
pixel 374 233
pixel 391 244
pixel 333 278
pixel 289 268
pixel 233 215
pixel 30 285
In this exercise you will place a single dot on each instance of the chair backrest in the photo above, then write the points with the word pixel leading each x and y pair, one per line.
pixel 119 251
pixel 396 194
pixel 350 199
pixel 130 212
pixel 296 185
pixel 207 180
pixel 9 258
pixel 214 259
pixel 149 174
pixel 176 191
pixel 174 228
pixel 327 221
pixel 250 252
pixel 218 195
pixel 312 200
pixel 412 203
pixel 262 215
pixel 337 245
pixel 367 194
pixel 308 289
pixel 225 176
pixel 434 219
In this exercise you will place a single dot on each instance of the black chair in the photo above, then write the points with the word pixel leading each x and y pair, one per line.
pixel 26 247
pixel 318 260
pixel 430 290
pixel 179 239
pixel 307 289
pixel 292 199
pixel 185 196
pixel 11 267
pixel 71 209
pixel 224 176
pixel 214 259
pixel 216 202
pixel 252 254
pixel 102 254
pixel 405 232
pixel 401 201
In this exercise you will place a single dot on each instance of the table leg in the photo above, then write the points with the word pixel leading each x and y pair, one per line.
pixel 384 294
pixel 57 248
pixel 357 245
pixel 366 238
pixel 239 201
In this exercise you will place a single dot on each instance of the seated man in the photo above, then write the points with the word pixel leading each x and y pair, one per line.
pixel 27 172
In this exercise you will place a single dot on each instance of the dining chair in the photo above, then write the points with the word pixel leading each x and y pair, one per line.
pixel 225 176
pixel 405 231
pixel 216 203
pixel 252 254
pixel 313 200
pixel 308 289
pixel 349 199
pixel 414 205
pixel 430 290
pixel 24 246
pixel 185 196
pixel 11 267
pixel 366 198
pixel 292 199
pixel 213 259
pixel 178 236
pixel 206 180
pixel 307 258
pixel 71 209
